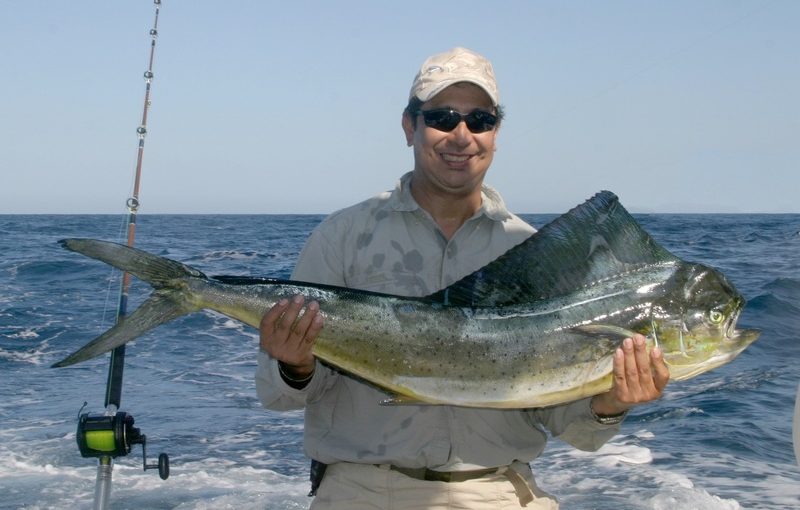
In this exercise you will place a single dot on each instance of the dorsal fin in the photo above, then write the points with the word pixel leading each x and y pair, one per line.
pixel 593 241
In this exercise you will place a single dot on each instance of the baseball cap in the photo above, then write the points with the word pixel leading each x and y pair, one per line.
pixel 457 65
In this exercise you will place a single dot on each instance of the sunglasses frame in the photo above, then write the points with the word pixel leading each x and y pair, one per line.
pixel 475 123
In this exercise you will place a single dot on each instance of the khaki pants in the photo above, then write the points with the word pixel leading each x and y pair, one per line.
pixel 367 487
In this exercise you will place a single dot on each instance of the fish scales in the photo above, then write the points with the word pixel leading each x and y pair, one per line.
pixel 536 327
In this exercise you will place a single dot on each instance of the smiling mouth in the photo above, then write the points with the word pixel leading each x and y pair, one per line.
pixel 455 158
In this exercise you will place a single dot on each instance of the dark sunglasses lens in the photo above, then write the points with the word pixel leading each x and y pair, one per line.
pixel 480 122
pixel 443 120
pixel 447 120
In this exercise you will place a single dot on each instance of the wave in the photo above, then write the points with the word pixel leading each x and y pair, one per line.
pixel 777 307
pixel 755 237
pixel 209 484
pixel 219 255
pixel 55 270
pixel 35 356
pixel 788 287
pixel 625 461
pixel 772 303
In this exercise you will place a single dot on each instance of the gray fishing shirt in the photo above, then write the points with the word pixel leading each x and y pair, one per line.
pixel 389 244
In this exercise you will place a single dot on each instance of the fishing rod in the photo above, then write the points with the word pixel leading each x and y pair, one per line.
pixel 111 434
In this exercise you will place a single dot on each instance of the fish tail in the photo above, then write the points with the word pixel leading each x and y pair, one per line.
pixel 163 306
pixel 156 310
pixel 155 270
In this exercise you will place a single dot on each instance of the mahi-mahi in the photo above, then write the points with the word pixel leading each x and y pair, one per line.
pixel 536 327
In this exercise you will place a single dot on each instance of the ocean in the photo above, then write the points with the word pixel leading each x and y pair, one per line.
pixel 719 441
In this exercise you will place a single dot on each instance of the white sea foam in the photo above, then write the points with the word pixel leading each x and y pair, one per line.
pixel 25 334
pixel 212 483
pixel 622 469
pixel 689 498
pixel 33 356
pixel 228 255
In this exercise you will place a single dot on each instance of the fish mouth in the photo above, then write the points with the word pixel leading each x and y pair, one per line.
pixel 744 337
pixel 737 341
pixel 731 346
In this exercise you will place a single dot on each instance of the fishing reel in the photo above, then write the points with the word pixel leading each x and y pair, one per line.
pixel 113 435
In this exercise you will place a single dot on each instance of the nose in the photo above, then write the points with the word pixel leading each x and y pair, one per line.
pixel 461 133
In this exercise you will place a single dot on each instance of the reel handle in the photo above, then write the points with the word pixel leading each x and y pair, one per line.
pixel 163 461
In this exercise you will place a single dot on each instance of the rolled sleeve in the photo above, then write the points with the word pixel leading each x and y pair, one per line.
pixel 575 424
pixel 272 390
pixel 275 394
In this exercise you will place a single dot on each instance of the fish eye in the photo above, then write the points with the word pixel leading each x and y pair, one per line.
pixel 715 316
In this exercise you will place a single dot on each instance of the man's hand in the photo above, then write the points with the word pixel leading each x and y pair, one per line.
pixel 638 378
pixel 287 333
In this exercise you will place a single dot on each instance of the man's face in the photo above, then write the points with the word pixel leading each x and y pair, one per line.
pixel 454 162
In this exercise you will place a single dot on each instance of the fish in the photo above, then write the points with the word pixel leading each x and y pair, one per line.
pixel 536 327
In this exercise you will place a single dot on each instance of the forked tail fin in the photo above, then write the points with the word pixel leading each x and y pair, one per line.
pixel 155 270
pixel 168 303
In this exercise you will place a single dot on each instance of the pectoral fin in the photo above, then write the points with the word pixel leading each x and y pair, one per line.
pixel 605 330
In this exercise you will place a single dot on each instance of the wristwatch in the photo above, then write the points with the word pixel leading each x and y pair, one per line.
pixel 613 419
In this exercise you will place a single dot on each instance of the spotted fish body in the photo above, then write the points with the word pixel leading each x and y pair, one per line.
pixel 536 327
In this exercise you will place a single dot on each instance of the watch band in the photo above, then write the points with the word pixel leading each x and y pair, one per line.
pixel 613 419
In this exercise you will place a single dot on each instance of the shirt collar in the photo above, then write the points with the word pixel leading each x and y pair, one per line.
pixel 492 204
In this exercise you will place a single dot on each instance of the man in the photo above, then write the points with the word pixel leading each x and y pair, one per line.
pixel 438 225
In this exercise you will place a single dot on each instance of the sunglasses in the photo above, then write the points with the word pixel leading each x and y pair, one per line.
pixel 446 119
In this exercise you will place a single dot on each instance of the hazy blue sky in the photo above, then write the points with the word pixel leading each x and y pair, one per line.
pixel 273 107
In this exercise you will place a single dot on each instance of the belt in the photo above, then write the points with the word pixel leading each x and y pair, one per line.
pixel 430 475
pixel 525 492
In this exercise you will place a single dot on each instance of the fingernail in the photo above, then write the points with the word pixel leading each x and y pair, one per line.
pixel 298 299
pixel 628 343
pixel 313 306
pixel 283 302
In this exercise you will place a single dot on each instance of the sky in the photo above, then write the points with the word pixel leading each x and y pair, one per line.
pixel 265 107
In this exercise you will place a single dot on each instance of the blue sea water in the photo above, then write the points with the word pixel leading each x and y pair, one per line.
pixel 719 441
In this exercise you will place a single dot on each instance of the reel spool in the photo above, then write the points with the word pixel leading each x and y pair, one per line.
pixel 105 435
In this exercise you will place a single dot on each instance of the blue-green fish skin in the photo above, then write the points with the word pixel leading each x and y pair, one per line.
pixel 536 327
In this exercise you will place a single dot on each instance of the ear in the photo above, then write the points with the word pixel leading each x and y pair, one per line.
pixel 408 128
pixel 494 142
